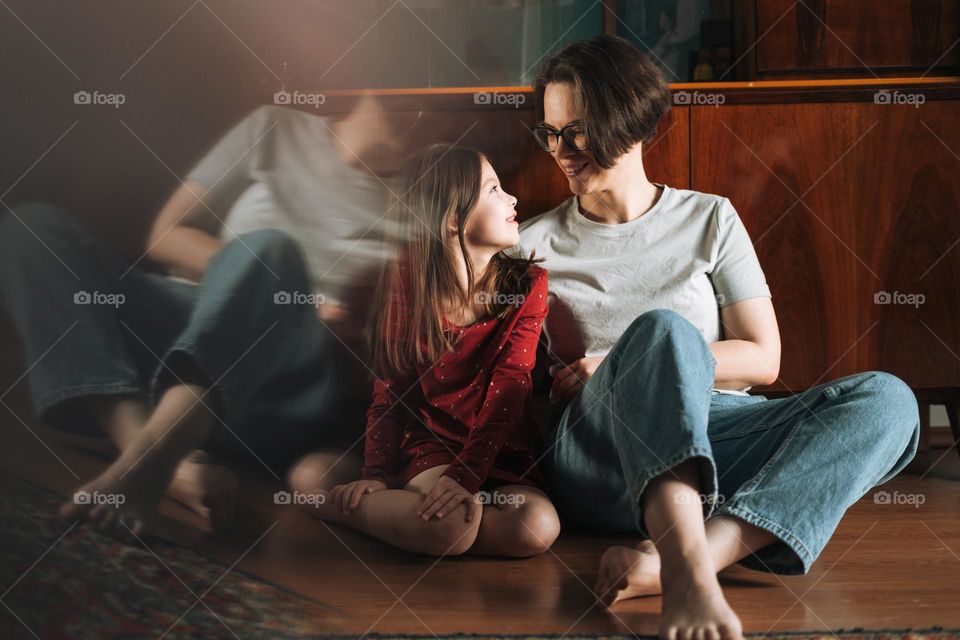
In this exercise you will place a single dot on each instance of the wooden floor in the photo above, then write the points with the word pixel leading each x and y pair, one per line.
pixel 888 565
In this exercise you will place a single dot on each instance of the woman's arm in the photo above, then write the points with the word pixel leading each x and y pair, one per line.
pixel 183 238
pixel 749 354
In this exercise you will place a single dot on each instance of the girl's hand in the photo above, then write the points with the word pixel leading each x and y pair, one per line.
pixel 569 380
pixel 446 496
pixel 347 496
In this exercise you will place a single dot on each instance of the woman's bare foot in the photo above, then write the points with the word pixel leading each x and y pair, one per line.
pixel 126 494
pixel 207 488
pixel 628 573
pixel 694 606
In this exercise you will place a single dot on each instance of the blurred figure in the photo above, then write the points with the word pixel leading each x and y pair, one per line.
pixel 251 350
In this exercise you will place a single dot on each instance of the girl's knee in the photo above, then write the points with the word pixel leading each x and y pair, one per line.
pixel 537 528
pixel 450 536
pixel 322 471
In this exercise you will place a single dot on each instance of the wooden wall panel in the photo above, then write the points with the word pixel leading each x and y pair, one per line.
pixel 856 38
pixel 878 211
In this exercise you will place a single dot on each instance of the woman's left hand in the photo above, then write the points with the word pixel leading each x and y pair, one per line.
pixel 446 496
pixel 569 380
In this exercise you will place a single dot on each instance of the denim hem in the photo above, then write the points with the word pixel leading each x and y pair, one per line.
pixel 787 537
pixel 189 350
pixel 50 400
pixel 663 467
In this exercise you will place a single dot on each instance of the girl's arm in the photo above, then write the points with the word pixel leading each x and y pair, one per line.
pixel 506 397
pixel 385 427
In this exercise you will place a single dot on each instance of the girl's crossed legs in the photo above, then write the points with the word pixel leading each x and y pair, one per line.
pixel 520 521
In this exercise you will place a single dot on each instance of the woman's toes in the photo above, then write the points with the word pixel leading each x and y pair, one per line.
pixel 105 518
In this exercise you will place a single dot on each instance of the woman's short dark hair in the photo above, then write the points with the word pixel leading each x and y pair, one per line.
pixel 619 92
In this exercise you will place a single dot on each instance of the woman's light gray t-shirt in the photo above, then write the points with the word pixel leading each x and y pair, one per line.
pixel 278 168
pixel 689 253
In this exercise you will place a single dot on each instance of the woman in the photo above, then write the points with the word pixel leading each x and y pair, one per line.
pixel 162 367
pixel 660 321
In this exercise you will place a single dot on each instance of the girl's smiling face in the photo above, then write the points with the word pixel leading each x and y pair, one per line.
pixel 492 223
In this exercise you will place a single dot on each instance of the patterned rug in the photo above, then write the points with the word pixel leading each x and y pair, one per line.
pixel 935 633
pixel 88 585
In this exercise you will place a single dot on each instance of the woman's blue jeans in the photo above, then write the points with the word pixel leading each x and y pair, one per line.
pixel 92 326
pixel 790 466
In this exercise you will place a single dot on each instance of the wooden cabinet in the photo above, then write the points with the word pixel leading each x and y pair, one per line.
pixel 854 210
pixel 851 38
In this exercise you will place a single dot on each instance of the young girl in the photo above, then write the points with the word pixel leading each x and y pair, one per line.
pixel 450 428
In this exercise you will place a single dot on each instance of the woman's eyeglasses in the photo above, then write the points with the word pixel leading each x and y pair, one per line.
pixel 574 136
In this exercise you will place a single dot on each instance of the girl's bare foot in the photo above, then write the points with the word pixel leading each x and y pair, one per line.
pixel 628 573
pixel 207 488
pixel 694 607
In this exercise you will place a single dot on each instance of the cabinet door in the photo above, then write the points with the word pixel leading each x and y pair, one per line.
pixel 856 38
pixel 854 210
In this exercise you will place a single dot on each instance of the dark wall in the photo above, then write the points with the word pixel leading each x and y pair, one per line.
pixel 187 71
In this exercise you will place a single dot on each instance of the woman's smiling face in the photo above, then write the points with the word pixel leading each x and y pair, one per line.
pixel 560 109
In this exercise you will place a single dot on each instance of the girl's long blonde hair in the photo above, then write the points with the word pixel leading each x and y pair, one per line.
pixel 406 328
